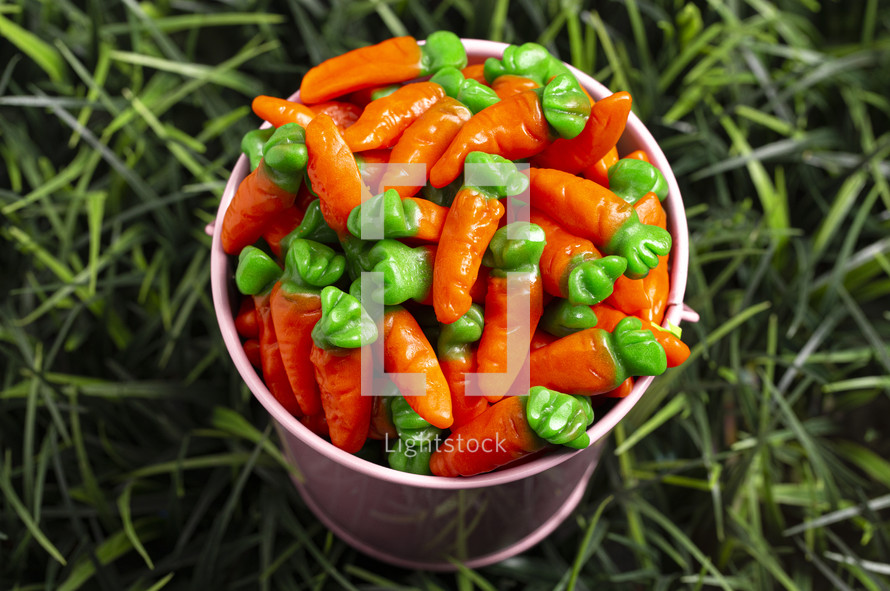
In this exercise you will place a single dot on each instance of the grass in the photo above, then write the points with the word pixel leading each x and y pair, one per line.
pixel 131 455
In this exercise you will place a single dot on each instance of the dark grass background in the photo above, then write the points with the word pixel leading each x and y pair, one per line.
pixel 132 457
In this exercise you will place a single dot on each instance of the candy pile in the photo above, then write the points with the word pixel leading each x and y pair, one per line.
pixel 503 185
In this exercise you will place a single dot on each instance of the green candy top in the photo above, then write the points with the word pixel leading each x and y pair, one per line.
pixel 455 337
pixel 641 244
pixel 257 272
pixel 562 318
pixel 417 439
pixel 472 93
pixel 309 266
pixel 356 251
pixel 312 227
pixel 566 107
pixel 407 272
pixel 631 179
pixel 407 422
pixel 636 350
pixel 442 49
pixel 516 247
pixel 529 60
pixel 397 217
pixel 591 280
pixel 343 323
pixel 252 144
pixel 493 175
pixel 559 418
pixel 285 157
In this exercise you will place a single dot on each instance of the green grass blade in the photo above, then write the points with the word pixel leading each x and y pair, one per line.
pixel 114 547
pixel 869 462
pixel 33 528
pixel 586 547
pixel 160 584
pixel 95 213
pixel 190 22
pixel 228 79
pixel 124 508
pixel 34 47
pixel 682 540
pixel 234 424
pixel 669 410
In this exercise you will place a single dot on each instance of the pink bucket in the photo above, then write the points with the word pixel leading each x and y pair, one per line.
pixel 428 522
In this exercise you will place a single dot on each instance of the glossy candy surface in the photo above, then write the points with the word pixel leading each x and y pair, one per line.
pixel 448 253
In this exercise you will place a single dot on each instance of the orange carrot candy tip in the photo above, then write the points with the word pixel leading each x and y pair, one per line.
pixel 395 60
pixel 513 428
pixel 279 111
pixel 517 127
pixel 603 129
pixel 469 226
pixel 383 121
pixel 256 275
pixel 398 217
pixel 593 361
pixel 657 285
pixel 406 351
pixel 510 84
pixel 421 146
pixel 622 391
pixel 639 155
pixel 629 296
pixel 333 173
pixel 344 114
pixel 341 368
pixel 296 307
pixel 457 357
pixel 572 267
pixel 246 320
pixel 267 191
pixel 254 352
pixel 590 210
pixel 541 338
pixel 598 172
pixel 475 72
pixel 650 210
pixel 513 256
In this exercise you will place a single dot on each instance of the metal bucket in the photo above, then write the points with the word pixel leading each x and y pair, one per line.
pixel 427 522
